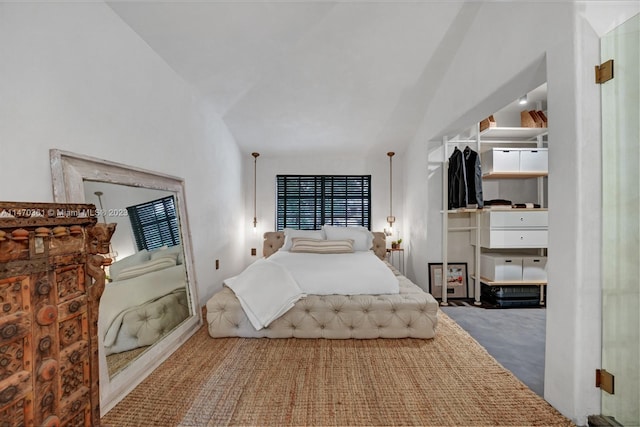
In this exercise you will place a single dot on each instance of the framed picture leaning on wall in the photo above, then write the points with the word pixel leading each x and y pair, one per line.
pixel 457 280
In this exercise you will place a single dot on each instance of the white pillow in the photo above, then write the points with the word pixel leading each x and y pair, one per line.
pixel 147 267
pixel 290 233
pixel 169 251
pixel 318 246
pixel 135 259
pixel 362 238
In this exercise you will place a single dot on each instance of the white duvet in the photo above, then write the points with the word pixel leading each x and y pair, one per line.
pixel 342 274
pixel 269 287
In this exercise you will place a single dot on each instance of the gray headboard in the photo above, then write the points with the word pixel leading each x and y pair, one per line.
pixel 273 240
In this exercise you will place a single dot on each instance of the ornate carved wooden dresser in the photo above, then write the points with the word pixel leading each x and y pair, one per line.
pixel 51 280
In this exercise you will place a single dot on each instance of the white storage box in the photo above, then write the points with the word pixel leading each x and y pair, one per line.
pixel 501 267
pixel 500 160
pixel 534 268
pixel 511 160
pixel 534 160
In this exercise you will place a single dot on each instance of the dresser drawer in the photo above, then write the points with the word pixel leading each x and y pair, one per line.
pixel 515 219
pixel 504 239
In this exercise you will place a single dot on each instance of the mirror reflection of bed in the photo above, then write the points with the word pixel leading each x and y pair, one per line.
pixel 70 173
pixel 146 294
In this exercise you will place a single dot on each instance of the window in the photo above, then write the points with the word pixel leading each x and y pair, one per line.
pixel 155 223
pixel 307 202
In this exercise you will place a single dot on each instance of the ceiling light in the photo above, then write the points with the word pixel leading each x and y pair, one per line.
pixel 523 99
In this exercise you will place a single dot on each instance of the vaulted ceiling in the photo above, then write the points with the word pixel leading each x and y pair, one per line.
pixel 306 76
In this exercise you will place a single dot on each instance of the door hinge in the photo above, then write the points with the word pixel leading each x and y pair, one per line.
pixel 605 380
pixel 604 72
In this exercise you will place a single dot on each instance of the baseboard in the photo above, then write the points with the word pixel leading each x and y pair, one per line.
pixel 602 421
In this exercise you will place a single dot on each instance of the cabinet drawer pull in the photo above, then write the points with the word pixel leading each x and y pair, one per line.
pixel 8 331
pixel 74 306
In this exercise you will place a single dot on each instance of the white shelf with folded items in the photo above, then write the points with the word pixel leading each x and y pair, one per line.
pixel 520 155
pixel 514 164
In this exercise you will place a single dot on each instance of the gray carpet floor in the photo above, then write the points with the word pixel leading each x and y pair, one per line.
pixel 515 337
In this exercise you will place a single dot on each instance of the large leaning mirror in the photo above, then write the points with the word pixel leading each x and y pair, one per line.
pixel 149 305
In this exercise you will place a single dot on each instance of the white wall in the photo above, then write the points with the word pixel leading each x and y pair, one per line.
pixel 512 48
pixel 268 167
pixel 76 78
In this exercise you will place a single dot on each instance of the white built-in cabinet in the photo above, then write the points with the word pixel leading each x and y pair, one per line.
pixel 508 246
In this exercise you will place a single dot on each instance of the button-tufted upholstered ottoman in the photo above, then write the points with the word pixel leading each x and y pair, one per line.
pixel 410 314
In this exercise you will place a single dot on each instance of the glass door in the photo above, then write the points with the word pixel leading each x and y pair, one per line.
pixel 621 222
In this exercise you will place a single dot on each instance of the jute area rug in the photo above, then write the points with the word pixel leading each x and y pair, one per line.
pixel 447 381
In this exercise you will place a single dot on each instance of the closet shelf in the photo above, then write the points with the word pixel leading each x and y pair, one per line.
pixel 511 282
pixel 514 175
pixel 462 210
pixel 513 132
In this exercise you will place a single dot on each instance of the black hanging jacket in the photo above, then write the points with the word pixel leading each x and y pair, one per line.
pixel 465 179
pixel 457 187
pixel 474 177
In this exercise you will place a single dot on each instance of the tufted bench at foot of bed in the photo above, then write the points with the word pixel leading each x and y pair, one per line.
pixel 410 314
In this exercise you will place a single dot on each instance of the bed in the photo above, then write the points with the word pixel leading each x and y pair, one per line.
pixel 408 313
pixel 145 299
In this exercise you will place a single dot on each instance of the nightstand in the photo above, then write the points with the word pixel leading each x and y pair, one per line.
pixel 396 258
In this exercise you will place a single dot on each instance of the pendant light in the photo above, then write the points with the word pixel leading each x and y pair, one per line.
pixel 255 216
pixel 390 219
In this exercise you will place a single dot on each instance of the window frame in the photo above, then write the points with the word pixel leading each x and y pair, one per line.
pixel 163 230
pixel 328 199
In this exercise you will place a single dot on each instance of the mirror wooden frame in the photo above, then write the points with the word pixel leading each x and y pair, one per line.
pixel 68 172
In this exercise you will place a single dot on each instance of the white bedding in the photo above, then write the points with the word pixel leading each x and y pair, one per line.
pixel 270 287
pixel 266 290
pixel 120 297
pixel 355 273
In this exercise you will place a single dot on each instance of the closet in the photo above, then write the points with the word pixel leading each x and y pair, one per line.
pixel 506 232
